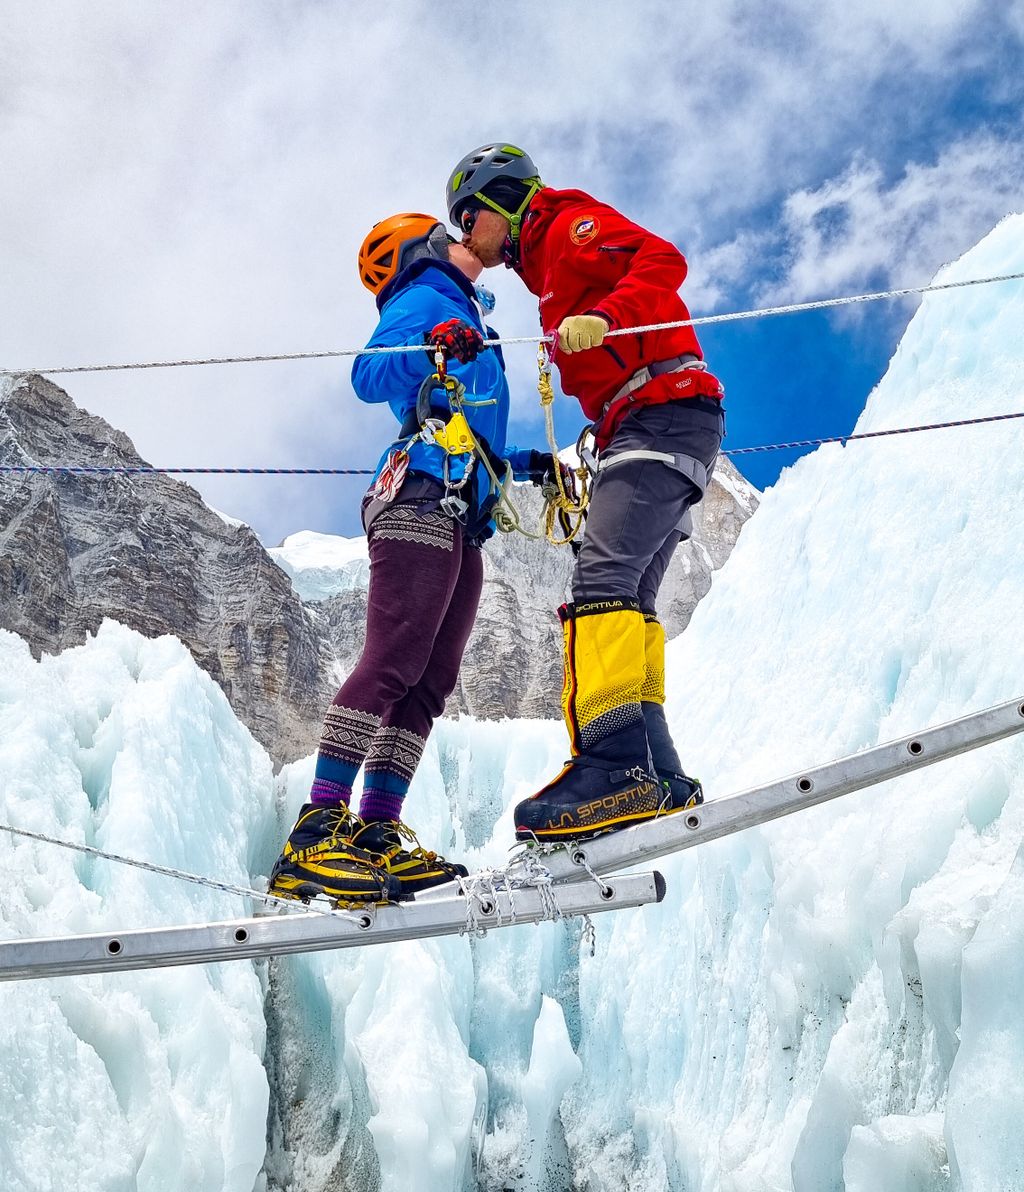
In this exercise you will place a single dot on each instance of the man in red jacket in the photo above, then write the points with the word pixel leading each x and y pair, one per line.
pixel 658 424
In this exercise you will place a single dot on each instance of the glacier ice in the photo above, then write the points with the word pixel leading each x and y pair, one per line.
pixel 155 1081
pixel 827 1002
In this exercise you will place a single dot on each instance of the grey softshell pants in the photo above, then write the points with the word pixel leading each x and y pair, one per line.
pixel 640 503
pixel 654 470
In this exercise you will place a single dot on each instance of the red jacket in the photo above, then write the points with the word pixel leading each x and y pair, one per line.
pixel 580 256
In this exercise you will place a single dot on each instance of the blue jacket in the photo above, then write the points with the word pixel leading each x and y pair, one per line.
pixel 427 293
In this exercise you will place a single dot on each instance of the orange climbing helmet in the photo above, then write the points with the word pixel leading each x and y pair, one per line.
pixel 396 242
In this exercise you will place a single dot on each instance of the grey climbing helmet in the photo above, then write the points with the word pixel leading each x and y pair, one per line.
pixel 484 177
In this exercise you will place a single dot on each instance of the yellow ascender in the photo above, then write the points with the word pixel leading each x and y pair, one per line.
pixel 453 436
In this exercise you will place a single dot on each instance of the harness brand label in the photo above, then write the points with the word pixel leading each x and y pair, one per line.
pixel 583 229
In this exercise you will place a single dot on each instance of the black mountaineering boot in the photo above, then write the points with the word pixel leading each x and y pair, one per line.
pixel 414 868
pixel 609 783
pixel 320 860
pixel 608 788
pixel 684 792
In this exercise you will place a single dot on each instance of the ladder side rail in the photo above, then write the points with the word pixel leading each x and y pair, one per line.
pixel 249 939
pixel 808 788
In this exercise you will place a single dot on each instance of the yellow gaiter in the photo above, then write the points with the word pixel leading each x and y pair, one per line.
pixel 605 668
pixel 653 689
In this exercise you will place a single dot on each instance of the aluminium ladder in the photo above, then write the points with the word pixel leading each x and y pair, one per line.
pixel 563 891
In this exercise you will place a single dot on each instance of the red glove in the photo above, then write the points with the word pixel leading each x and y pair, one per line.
pixel 458 339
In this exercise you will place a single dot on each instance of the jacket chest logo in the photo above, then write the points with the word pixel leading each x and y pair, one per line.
pixel 584 228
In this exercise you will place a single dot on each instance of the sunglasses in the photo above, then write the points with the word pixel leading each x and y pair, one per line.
pixel 468 218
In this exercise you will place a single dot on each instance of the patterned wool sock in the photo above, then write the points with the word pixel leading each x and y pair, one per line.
pixel 329 794
pixel 390 764
pixel 344 740
pixel 377 804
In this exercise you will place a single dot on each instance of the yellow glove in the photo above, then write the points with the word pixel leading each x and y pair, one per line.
pixel 579 332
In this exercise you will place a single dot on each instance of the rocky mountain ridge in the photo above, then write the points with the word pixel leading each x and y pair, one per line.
pixel 145 550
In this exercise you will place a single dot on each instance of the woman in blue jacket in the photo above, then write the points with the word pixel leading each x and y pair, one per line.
pixel 426 515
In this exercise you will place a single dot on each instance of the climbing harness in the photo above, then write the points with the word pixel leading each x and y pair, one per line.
pixel 643 376
pixel 449 431
pixel 695 470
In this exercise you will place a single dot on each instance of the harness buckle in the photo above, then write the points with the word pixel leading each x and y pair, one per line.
pixel 454 506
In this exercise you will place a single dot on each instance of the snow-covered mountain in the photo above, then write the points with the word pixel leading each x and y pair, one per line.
pixel 828 1002
pixel 323 565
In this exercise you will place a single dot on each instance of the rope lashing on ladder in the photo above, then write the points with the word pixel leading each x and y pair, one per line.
pixel 702 321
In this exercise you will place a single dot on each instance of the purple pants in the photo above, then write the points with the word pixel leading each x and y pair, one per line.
pixel 425 583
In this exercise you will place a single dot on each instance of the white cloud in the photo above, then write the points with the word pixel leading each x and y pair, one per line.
pixel 718 271
pixel 861 230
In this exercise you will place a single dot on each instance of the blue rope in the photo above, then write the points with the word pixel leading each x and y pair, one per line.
pixel 132 471
pixel 147 470
pixel 873 434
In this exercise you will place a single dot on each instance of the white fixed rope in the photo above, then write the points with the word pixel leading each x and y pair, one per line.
pixel 703 321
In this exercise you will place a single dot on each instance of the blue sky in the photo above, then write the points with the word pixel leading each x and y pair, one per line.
pixel 175 189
